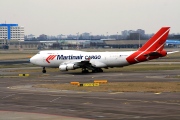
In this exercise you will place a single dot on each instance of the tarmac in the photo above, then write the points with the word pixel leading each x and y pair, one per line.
pixel 19 100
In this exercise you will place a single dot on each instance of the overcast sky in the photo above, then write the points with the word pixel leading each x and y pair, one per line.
pixel 53 17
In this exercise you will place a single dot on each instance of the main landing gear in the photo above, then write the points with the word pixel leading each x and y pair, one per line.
pixel 44 70
pixel 84 70
pixel 97 70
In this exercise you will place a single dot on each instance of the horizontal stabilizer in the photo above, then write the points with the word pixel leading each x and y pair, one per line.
pixel 153 54
pixel 170 52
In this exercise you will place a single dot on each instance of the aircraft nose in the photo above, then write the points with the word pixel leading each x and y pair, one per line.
pixel 33 60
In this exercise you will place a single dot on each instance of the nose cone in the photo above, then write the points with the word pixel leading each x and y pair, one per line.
pixel 33 60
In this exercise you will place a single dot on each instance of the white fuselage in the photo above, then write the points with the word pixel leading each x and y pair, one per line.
pixel 55 58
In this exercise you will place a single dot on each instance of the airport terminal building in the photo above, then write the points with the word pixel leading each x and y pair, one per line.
pixel 12 32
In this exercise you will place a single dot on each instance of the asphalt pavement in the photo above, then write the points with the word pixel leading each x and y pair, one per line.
pixel 20 100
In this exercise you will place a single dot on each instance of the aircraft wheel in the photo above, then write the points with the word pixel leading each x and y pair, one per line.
pixel 94 71
pixel 85 71
pixel 44 70
pixel 100 70
pixel 97 70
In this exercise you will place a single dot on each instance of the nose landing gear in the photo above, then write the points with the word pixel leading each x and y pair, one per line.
pixel 44 70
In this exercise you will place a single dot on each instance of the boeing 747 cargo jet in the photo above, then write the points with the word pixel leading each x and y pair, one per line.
pixel 71 59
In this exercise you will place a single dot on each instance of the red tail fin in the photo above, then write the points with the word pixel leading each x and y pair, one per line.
pixel 156 43
pixel 152 49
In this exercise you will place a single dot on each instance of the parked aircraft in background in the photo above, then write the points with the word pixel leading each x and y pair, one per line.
pixel 71 59
pixel 172 42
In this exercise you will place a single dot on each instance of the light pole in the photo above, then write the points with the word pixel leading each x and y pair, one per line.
pixel 117 36
pixel 5 41
pixel 90 36
pixel 77 41
pixel 139 40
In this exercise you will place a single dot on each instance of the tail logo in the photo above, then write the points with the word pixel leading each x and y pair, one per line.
pixel 50 57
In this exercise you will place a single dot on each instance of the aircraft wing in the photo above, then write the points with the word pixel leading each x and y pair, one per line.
pixel 89 64
pixel 80 64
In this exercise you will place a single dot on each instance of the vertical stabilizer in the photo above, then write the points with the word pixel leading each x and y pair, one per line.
pixel 156 43
pixel 152 49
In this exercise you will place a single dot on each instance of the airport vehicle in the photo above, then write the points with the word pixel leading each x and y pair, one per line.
pixel 71 59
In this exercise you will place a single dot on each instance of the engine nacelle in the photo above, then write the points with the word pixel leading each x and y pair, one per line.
pixel 63 67
pixel 163 53
pixel 68 67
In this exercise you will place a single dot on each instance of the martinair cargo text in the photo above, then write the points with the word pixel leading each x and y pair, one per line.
pixel 71 59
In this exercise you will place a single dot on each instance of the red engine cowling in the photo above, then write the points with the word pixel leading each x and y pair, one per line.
pixel 163 53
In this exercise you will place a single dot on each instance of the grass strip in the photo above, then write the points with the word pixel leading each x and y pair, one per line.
pixel 15 56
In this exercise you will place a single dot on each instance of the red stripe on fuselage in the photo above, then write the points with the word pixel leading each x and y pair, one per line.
pixel 50 57
pixel 53 57
pixel 47 59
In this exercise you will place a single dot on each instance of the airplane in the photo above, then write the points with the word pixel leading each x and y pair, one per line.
pixel 172 42
pixel 72 59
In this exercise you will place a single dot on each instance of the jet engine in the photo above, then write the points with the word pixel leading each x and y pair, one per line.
pixel 163 53
pixel 157 54
pixel 68 67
